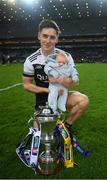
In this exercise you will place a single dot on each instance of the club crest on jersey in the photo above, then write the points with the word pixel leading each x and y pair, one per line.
pixel 38 67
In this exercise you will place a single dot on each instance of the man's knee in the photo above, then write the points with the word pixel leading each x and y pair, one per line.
pixel 84 102
pixel 79 100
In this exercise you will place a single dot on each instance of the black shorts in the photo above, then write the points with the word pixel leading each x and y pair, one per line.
pixel 41 100
pixel 40 104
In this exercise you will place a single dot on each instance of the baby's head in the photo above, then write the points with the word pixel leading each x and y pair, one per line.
pixel 61 58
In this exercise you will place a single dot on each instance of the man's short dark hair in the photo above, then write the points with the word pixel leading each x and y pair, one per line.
pixel 46 23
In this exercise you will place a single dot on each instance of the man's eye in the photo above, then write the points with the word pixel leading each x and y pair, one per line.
pixel 45 36
pixel 53 37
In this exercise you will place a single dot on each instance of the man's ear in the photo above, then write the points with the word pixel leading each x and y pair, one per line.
pixel 57 40
pixel 38 35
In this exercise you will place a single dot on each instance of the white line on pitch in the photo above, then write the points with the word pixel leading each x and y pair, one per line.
pixel 9 87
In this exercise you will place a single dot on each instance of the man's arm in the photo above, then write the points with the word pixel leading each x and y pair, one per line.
pixel 29 86
pixel 65 81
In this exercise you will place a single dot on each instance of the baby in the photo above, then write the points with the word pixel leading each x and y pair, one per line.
pixel 58 65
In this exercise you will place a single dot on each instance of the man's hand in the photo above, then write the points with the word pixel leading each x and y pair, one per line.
pixel 65 81
pixel 52 80
pixel 61 79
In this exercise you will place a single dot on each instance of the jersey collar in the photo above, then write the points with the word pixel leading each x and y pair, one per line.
pixel 49 54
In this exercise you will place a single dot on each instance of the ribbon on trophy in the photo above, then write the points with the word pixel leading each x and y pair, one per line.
pixel 35 148
pixel 79 148
pixel 68 150
pixel 21 148
pixel 30 157
pixel 66 153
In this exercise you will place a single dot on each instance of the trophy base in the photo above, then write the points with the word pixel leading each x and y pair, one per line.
pixel 50 172
pixel 50 165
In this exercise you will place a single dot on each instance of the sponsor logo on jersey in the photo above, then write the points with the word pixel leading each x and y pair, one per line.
pixel 42 78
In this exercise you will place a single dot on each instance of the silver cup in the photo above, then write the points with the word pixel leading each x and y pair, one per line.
pixel 49 162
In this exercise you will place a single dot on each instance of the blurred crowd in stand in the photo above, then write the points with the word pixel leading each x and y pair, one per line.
pixel 80 55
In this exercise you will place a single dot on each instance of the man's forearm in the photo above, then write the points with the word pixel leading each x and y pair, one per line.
pixel 68 83
pixel 35 89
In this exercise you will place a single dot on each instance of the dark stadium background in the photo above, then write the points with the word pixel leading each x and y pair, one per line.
pixel 83 24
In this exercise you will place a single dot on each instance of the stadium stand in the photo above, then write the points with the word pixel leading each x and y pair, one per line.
pixel 83 25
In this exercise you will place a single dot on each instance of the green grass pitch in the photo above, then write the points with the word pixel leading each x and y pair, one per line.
pixel 17 106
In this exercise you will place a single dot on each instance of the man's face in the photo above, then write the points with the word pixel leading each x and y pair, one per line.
pixel 48 38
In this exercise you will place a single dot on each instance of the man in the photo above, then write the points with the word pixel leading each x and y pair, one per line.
pixel 34 70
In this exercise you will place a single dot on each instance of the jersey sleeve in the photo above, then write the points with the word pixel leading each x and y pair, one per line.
pixel 74 73
pixel 28 69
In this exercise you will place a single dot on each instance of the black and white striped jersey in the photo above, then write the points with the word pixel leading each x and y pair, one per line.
pixel 34 67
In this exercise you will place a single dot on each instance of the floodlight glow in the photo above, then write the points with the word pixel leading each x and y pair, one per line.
pixel 29 1
pixel 11 1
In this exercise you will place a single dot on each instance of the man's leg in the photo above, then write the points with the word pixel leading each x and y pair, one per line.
pixel 35 125
pixel 76 104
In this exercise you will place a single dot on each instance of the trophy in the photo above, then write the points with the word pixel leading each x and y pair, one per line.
pixel 48 160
